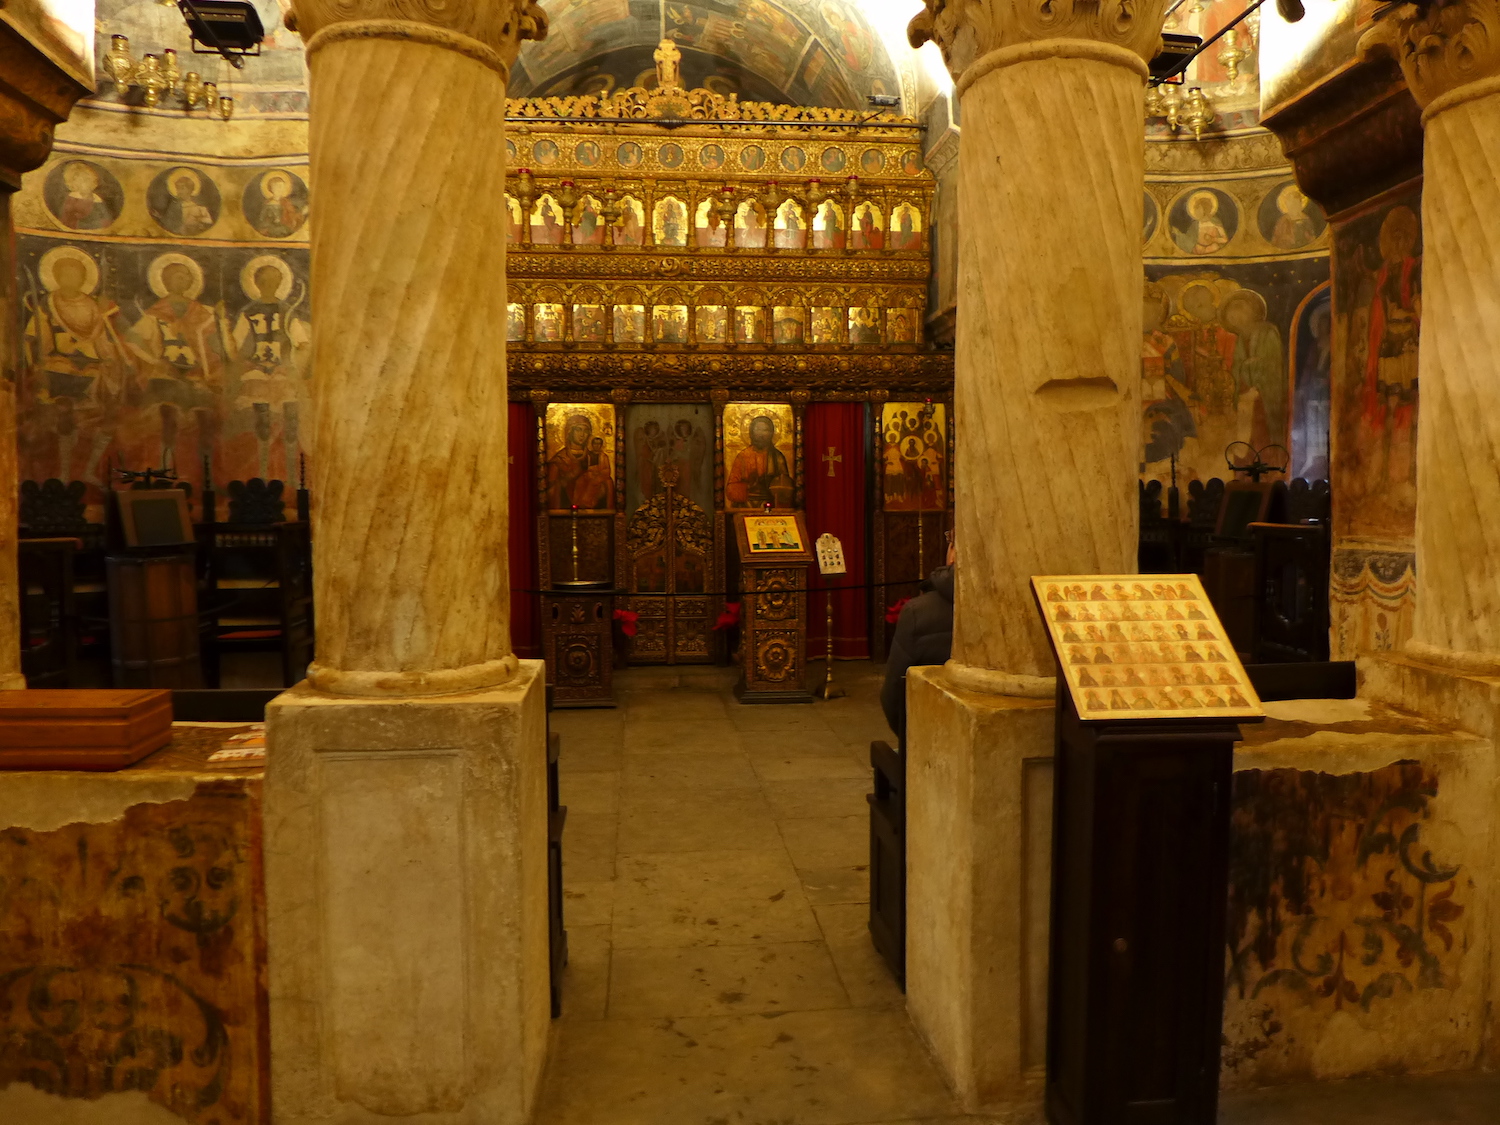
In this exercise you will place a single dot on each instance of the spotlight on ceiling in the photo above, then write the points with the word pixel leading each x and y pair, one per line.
pixel 1176 52
pixel 231 28
pixel 884 101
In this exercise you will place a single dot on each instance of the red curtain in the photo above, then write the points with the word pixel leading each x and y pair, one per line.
pixel 525 634
pixel 834 435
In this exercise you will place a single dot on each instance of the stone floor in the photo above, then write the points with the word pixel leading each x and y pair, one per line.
pixel 721 973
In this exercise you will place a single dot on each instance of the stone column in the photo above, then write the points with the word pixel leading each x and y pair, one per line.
pixel 36 94
pixel 1047 366
pixel 1451 59
pixel 405 800
pixel 408 288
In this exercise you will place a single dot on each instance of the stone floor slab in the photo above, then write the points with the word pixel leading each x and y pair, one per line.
pixel 816 843
pixel 708 820
pixel 724 980
pixel 835 1067
pixel 710 898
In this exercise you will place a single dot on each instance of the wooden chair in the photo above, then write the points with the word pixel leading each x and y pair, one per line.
pixel 258 578
pixel 49 619
pixel 54 509
pixel 260 595
pixel 1292 563
pixel 888 858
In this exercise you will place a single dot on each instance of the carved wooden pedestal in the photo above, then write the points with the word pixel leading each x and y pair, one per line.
pixel 773 621
pixel 577 642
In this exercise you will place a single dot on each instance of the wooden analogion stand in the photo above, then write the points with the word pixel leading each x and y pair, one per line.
pixel 774 554
pixel 1149 702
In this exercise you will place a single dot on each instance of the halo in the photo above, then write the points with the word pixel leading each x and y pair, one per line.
pixel 160 263
pixel 48 265
pixel 1213 201
pixel 175 174
pixel 275 174
pixel 69 165
pixel 254 266
pixel 1290 191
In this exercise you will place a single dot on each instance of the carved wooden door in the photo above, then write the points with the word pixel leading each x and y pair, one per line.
pixel 670 549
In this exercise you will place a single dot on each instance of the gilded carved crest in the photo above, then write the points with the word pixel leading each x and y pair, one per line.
pixel 667 100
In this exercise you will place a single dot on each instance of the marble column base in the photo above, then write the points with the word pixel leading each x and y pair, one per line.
pixel 406 898
pixel 978 871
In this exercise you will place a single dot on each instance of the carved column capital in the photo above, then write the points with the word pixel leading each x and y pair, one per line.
pixel 1447 52
pixel 976 36
pixel 490 31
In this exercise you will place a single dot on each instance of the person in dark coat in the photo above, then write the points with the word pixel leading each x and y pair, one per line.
pixel 924 635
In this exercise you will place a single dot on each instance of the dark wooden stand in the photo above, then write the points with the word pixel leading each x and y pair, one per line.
pixel 1139 891
pixel 888 858
pixel 557 818
pixel 773 622
pixel 578 644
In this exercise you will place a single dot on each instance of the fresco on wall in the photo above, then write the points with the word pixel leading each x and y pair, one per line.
pixel 1375 401
pixel 758 451
pixel 1203 220
pixel 809 52
pixel 83 195
pixel 1377 310
pixel 1288 219
pixel 1349 899
pixel 184 201
pixel 275 202
pixel 1312 389
pixel 154 355
pixel 659 436
pixel 1214 361
pixel 144 976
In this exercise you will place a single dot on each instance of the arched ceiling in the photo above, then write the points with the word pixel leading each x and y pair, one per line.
pixel 807 52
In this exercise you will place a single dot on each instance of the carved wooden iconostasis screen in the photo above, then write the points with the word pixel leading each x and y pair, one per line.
pixel 912 504
pixel 686 273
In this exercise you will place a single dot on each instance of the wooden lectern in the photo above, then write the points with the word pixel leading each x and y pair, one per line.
pixel 775 551
pixel 1149 702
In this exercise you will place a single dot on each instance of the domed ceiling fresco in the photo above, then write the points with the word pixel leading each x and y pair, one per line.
pixel 808 52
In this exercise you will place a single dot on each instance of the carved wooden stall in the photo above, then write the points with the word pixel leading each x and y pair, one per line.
pixel 687 274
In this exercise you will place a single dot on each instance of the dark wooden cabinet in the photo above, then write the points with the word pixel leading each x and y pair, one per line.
pixel 578 644
pixel 888 857
pixel 1139 890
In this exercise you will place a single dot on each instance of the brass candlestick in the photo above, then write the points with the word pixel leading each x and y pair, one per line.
pixel 828 689
pixel 575 544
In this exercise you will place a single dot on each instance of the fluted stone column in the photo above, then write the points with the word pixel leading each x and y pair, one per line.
pixel 405 800
pixel 408 289
pixel 1450 57
pixel 1047 366
pixel 1451 60
pixel 37 92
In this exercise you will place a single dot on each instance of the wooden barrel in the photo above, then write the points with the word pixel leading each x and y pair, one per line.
pixel 153 621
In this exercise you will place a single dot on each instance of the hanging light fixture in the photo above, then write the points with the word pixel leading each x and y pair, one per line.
pixel 229 30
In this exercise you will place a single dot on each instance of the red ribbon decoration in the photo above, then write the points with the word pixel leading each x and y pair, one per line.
pixel 730 618
pixel 627 619
pixel 893 613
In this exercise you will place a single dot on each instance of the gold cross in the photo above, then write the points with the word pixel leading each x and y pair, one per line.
pixel 831 456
